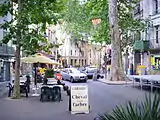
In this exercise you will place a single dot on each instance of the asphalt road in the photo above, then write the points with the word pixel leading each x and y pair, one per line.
pixel 102 98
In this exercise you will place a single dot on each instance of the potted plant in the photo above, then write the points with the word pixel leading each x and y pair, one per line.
pixel 49 74
pixel 149 109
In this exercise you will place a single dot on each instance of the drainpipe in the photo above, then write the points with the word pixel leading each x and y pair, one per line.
pixel 141 57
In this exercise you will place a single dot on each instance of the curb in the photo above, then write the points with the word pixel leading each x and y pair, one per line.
pixel 113 83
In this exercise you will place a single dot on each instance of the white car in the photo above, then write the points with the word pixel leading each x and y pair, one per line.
pixel 73 75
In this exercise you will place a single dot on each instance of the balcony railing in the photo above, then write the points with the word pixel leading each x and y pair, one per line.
pixel 6 50
pixel 141 45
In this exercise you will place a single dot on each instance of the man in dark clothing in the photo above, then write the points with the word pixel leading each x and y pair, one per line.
pixel 10 89
pixel 28 81
pixel 45 81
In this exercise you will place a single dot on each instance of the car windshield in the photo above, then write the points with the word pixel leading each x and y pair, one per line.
pixel 91 71
pixel 74 71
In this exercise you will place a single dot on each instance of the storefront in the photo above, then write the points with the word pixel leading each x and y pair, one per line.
pixel 6 54
pixel 155 62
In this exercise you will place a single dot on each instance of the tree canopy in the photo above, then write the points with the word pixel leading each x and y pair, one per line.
pixel 34 18
pixel 79 16
pixel 27 26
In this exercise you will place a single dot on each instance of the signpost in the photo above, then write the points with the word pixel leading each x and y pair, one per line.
pixel 79 99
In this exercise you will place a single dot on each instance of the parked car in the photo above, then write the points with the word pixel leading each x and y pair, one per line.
pixel 90 72
pixel 73 75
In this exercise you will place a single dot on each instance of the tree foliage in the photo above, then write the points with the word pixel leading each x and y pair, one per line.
pixel 148 109
pixel 34 18
pixel 27 26
pixel 79 16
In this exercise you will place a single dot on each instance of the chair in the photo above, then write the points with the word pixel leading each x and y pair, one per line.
pixel 56 93
pixel 45 93
pixel 23 89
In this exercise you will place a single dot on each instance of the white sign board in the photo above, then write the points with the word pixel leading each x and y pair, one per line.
pixel 79 99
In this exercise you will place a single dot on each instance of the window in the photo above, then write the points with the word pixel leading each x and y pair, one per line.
pixel 156 33
pixel 82 62
pixel 71 61
pixel 137 36
pixel 71 52
pixel 156 6
pixel 75 52
pixel 85 62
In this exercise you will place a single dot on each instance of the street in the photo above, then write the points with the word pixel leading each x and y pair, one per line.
pixel 102 98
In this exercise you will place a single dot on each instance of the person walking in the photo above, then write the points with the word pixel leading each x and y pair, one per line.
pixel 28 82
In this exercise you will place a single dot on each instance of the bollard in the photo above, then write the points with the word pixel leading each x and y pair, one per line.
pixel 69 107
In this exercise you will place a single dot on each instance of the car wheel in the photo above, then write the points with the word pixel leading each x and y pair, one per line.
pixel 98 76
pixel 71 80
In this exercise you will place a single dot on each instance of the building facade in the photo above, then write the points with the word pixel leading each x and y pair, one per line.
pixel 6 53
pixel 51 36
pixel 77 52
pixel 73 52
pixel 147 46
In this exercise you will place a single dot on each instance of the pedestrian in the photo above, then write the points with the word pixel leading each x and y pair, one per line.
pixel 10 89
pixel 58 76
pixel 45 81
pixel 39 77
pixel 28 82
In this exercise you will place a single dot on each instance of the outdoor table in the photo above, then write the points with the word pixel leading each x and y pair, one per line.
pixel 152 80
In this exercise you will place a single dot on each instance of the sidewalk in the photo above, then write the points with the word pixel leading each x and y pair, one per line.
pixel 3 89
pixel 106 81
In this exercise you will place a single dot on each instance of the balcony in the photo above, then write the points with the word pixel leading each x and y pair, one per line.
pixel 141 45
pixel 6 50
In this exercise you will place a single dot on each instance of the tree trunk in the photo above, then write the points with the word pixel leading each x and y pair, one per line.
pixel 16 93
pixel 117 73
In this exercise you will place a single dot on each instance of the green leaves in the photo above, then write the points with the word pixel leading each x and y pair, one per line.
pixel 79 18
pixel 149 109
pixel 28 25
